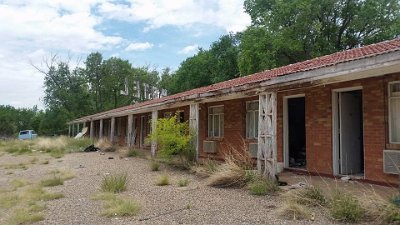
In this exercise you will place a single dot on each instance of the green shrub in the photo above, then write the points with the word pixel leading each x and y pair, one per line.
pixel 345 207
pixel 114 183
pixel 391 214
pixel 163 180
pixel 183 182
pixel 263 186
pixel 173 138
pixel 154 166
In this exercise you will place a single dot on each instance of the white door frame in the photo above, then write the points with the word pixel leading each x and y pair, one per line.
pixel 286 127
pixel 335 127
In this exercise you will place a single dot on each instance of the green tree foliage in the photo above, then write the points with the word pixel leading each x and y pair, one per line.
pixel 302 29
pixel 13 120
pixel 217 64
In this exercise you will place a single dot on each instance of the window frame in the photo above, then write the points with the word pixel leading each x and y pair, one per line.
pixel 210 133
pixel 256 112
pixel 389 111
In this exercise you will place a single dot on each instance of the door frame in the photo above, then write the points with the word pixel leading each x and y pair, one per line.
pixel 335 126
pixel 286 127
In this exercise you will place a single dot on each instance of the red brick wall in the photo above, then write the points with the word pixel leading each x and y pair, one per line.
pixel 234 127
pixel 318 102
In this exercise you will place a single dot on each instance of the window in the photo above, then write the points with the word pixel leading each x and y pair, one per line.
pixel 216 121
pixel 252 120
pixel 394 112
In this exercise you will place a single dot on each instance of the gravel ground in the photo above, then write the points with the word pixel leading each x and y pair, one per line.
pixel 159 205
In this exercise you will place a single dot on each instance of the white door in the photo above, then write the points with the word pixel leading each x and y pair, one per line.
pixel 350 115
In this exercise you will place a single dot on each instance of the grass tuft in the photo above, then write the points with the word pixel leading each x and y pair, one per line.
pixel 116 206
pixel 294 211
pixel 263 186
pixel 229 174
pixel 310 196
pixel 345 207
pixel 154 166
pixel 134 153
pixel 183 182
pixel 163 180
pixel 24 216
pixel 51 182
pixel 114 183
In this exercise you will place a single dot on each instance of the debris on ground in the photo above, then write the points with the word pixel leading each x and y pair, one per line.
pixel 296 186
pixel 91 148
pixel 345 179
pixel 110 157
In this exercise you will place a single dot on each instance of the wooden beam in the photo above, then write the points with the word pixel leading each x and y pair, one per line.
pixel 154 117
pixel 194 126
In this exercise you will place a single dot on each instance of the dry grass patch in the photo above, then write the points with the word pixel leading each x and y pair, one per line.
pixel 114 183
pixel 154 166
pixel 105 145
pixel 227 175
pixel 21 166
pixel 294 211
pixel 17 183
pixel 263 186
pixel 26 215
pixel 183 182
pixel 51 182
pixel 163 180
pixel 345 207
pixel 117 206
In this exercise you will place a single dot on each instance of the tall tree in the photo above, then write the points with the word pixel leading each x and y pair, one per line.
pixel 94 74
pixel 302 29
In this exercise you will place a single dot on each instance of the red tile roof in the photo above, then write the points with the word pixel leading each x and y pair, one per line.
pixel 312 64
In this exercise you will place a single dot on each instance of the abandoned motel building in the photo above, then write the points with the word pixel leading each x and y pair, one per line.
pixel 332 116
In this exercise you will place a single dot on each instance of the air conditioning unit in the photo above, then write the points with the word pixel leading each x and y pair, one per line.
pixel 391 161
pixel 253 149
pixel 210 146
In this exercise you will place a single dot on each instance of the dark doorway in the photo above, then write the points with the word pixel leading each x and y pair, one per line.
pixel 297 132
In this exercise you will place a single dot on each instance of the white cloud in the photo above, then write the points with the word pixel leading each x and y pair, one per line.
pixel 227 14
pixel 139 46
pixel 190 49
pixel 31 30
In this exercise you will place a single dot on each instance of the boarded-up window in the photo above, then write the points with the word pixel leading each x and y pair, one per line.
pixel 216 121
pixel 252 120
pixel 394 112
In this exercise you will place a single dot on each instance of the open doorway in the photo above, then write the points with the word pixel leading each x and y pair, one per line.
pixel 348 136
pixel 295 132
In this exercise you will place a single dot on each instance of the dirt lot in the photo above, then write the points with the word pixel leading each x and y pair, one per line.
pixel 194 204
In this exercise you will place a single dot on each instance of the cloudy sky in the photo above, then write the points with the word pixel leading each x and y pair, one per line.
pixel 158 33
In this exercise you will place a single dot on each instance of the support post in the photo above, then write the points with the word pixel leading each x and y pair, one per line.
pixel 194 127
pixel 129 131
pixel 101 129
pixel 154 117
pixel 267 153
pixel 73 130
pixel 112 129
pixel 69 130
pixel 78 130
pixel 91 129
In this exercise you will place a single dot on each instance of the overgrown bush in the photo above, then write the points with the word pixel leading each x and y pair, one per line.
pixel 173 139
pixel 105 145
pixel 294 211
pixel 114 183
pixel 228 174
pixel 345 207
pixel 116 206
pixel 310 196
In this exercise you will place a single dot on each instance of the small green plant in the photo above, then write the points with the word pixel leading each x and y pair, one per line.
pixel 310 196
pixel 163 180
pixel 134 153
pixel 17 183
pixel 183 182
pixel 114 183
pixel 345 207
pixel 154 166
pixel 51 182
pixel 263 186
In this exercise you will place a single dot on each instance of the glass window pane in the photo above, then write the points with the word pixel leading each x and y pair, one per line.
pixel 394 89
pixel 251 132
pixel 210 126
pixel 248 125
pixel 216 126
pixel 395 119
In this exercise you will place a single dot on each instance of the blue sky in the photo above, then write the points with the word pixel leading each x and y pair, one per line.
pixel 155 33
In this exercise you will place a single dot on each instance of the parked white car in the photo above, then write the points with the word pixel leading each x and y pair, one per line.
pixel 27 135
